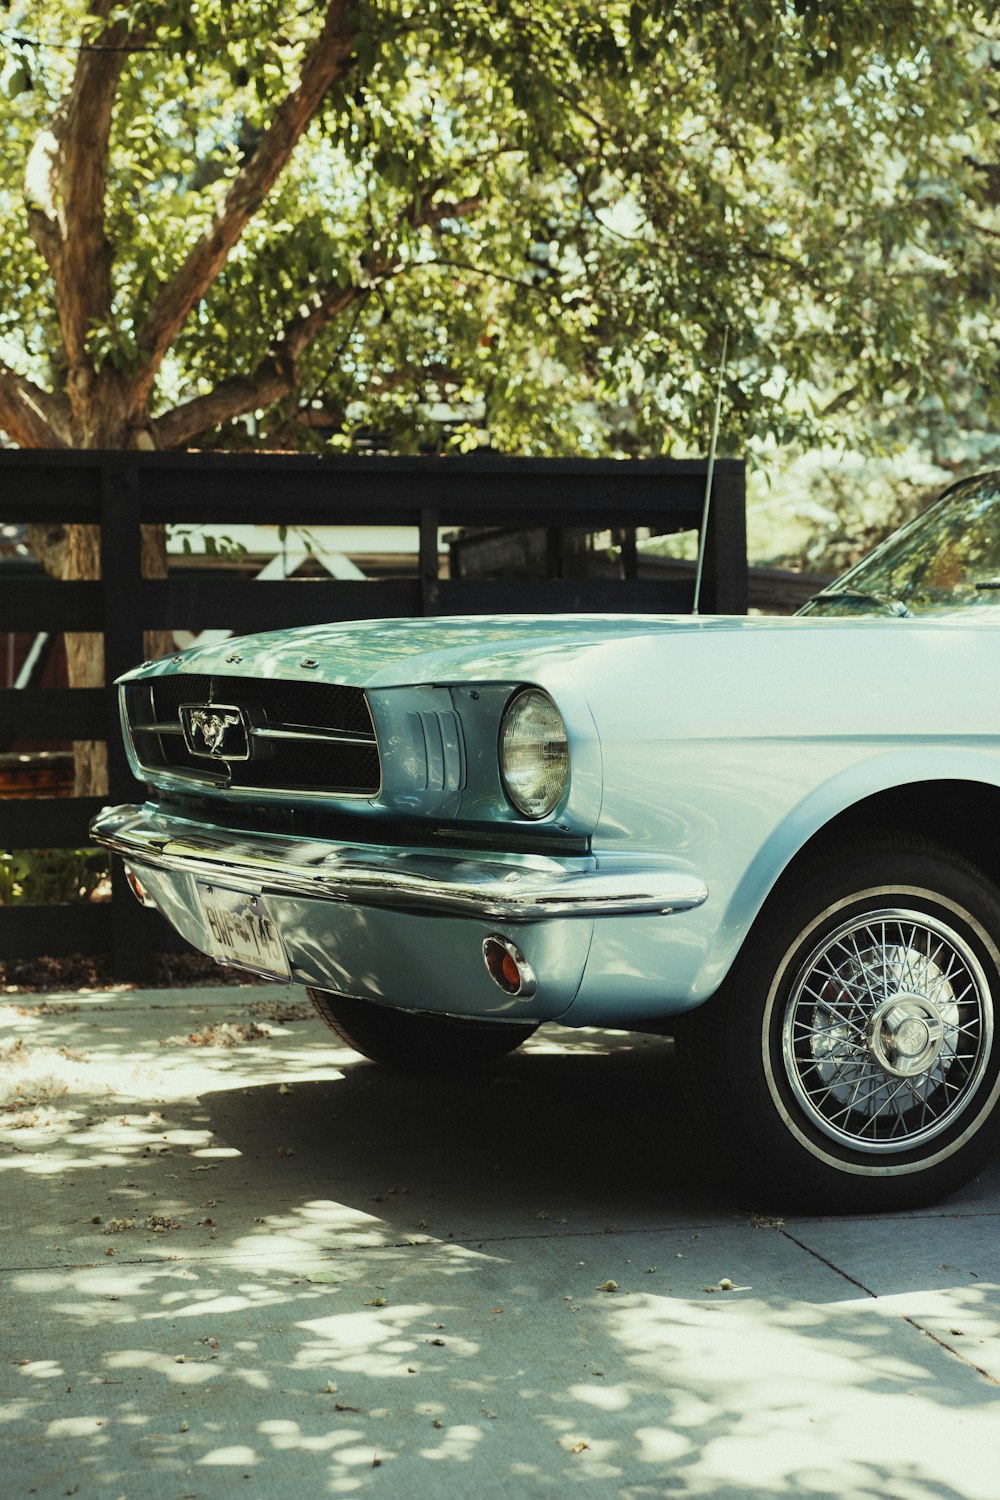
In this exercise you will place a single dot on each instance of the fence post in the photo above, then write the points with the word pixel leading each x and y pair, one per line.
pixel 121 581
pixel 430 593
pixel 725 583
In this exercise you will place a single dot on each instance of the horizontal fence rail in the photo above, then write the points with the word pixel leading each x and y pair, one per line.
pixel 121 492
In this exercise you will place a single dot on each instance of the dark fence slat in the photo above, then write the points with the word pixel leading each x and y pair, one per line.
pixel 47 822
pixel 477 490
pixel 483 501
pixel 53 714
pixel 49 604
pixel 53 488
pixel 476 596
pixel 241 606
pixel 26 931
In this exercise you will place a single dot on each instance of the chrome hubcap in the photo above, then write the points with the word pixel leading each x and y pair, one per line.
pixel 887 1031
pixel 906 1035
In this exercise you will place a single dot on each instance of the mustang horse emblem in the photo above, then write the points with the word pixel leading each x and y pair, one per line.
pixel 206 731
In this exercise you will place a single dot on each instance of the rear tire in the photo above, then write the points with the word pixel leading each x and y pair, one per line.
pixel 850 1062
pixel 421 1044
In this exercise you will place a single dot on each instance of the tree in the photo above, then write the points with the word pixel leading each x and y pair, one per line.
pixel 320 219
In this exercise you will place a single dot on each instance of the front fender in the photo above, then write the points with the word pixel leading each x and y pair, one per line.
pixel 883 771
pixel 644 968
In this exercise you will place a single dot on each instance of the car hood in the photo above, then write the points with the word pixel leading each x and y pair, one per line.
pixel 390 653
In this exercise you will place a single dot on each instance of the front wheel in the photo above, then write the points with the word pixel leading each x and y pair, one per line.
pixel 850 1061
pixel 412 1043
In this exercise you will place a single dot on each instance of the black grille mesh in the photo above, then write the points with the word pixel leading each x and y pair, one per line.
pixel 318 705
pixel 294 765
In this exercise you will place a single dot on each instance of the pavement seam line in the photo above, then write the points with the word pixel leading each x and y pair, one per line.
pixel 905 1317
pixel 837 1270
pixel 332 1252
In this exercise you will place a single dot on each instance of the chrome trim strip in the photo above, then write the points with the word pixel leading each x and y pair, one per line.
pixel 513 888
pixel 171 779
pixel 333 736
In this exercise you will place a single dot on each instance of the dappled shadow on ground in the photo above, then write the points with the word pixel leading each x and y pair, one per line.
pixel 263 1264
pixel 549 1133
pixel 480 1378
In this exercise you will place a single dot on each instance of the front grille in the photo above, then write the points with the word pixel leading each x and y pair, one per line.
pixel 294 736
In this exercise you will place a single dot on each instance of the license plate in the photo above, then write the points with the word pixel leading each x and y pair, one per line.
pixel 243 932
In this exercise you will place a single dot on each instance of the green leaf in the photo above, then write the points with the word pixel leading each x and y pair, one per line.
pixel 19 80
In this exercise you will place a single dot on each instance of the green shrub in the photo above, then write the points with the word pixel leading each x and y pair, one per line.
pixel 36 877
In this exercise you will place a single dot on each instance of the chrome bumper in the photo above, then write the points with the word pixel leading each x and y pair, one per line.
pixel 507 887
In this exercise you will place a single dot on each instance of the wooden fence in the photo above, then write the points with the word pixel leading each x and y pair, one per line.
pixel 121 491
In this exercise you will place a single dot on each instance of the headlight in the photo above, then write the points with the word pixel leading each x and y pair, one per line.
pixel 534 754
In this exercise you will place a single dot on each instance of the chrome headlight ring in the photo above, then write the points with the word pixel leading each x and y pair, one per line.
pixel 534 753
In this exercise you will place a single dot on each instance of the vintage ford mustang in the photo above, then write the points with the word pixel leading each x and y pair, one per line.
pixel 775 839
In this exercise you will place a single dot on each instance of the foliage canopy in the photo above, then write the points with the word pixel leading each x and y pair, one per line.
pixel 412 224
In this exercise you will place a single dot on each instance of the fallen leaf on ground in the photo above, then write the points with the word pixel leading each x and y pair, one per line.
pixel 222 1034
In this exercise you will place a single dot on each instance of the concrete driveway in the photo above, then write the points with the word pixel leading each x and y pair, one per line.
pixel 236 1260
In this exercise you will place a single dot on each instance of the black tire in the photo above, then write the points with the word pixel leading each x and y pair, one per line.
pixel 410 1043
pixel 850 1062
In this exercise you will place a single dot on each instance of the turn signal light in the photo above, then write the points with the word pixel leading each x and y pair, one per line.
pixel 137 888
pixel 508 967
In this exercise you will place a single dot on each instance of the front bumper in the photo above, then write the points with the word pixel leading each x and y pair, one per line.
pixel 502 887
pixel 407 927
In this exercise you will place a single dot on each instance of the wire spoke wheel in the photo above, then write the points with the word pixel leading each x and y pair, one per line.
pixel 887 1030
pixel 850 1062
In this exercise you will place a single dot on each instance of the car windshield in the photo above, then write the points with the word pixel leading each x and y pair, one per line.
pixel 946 559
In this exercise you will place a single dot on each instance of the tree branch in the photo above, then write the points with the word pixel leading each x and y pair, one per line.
pixel 488 273
pixel 31 417
pixel 428 215
pixel 991 171
pixel 277 375
pixel 320 310
pixel 230 398
pixel 64 189
pixel 326 60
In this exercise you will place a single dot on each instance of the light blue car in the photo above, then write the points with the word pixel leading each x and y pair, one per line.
pixel 775 839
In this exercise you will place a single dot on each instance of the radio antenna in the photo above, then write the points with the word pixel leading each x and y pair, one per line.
pixel 703 535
